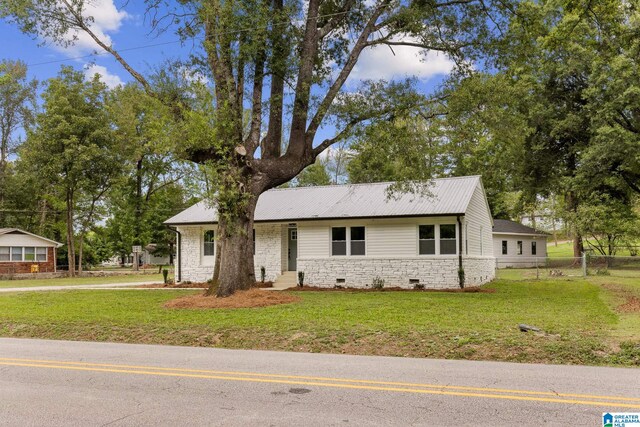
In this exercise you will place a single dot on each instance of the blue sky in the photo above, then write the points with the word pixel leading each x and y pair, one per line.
pixel 128 29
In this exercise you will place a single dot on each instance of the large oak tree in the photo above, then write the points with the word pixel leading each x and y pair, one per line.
pixel 286 64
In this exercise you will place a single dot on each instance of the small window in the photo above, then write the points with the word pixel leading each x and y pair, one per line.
pixel 4 253
pixel 294 234
pixel 16 254
pixel 338 241
pixel 427 239
pixel 504 247
pixel 41 254
pixel 357 241
pixel 519 247
pixel 209 243
pixel 29 254
pixel 534 250
pixel 448 239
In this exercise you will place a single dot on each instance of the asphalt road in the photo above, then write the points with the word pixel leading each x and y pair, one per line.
pixel 97 384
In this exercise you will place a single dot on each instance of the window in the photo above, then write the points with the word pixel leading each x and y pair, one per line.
pixel 41 254
pixel 504 247
pixel 338 241
pixel 427 239
pixel 534 250
pixel 294 234
pixel 519 247
pixel 16 254
pixel 4 253
pixel 447 239
pixel 29 254
pixel 209 243
pixel 357 241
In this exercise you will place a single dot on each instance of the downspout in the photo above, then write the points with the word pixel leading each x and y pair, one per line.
pixel 179 254
pixel 460 268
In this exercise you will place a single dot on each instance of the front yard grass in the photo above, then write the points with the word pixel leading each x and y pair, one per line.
pixel 71 281
pixel 578 317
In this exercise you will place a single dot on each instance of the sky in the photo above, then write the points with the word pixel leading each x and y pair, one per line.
pixel 127 28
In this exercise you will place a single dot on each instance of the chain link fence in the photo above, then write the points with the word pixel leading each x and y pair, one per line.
pixel 568 267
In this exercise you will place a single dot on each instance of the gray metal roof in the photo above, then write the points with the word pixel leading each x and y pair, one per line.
pixel 18 231
pixel 512 227
pixel 449 196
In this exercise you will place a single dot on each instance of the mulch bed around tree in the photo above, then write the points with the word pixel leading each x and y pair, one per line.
pixel 632 305
pixel 475 289
pixel 241 299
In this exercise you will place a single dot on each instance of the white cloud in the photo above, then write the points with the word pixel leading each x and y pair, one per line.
pixel 111 80
pixel 380 62
pixel 106 19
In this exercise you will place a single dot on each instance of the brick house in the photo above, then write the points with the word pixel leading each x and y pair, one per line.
pixel 349 235
pixel 24 252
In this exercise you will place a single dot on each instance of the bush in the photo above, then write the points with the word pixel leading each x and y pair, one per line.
pixel 418 286
pixel 461 277
pixel 301 278
pixel 602 272
pixel 263 273
pixel 165 275
pixel 377 283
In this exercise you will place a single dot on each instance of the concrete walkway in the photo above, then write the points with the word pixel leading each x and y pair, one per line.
pixel 74 287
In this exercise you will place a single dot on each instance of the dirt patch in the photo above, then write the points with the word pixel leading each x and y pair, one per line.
pixel 632 305
pixel 631 302
pixel 241 299
pixel 204 285
pixel 390 289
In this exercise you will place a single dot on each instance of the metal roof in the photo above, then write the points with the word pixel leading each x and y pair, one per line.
pixel 17 230
pixel 511 227
pixel 448 196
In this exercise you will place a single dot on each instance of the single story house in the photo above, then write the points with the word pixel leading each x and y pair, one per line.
pixel 24 252
pixel 516 245
pixel 348 235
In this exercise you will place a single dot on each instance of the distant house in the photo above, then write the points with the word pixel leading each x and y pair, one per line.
pixel 516 245
pixel 347 235
pixel 24 252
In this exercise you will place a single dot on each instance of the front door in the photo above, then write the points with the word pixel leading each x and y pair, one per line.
pixel 293 248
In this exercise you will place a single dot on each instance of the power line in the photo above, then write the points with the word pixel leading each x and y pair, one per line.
pixel 129 49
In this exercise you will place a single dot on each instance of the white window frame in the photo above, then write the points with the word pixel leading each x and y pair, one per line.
pixel 435 239
pixel 46 253
pixel 534 248
pixel 8 253
pixel 207 259
pixel 23 254
pixel 436 235
pixel 348 240
pixel 455 239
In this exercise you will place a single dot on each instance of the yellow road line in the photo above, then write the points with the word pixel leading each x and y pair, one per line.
pixel 324 384
pixel 345 380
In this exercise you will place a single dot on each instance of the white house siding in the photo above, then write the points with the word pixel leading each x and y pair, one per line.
pixel 391 254
pixel 478 225
pixel 196 268
pixel 512 259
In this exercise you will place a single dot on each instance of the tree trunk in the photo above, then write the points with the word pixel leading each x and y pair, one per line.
pixel 234 269
pixel 71 253
pixel 578 245
pixel 80 246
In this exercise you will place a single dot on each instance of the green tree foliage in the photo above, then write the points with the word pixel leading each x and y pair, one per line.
pixel 249 50
pixel 71 152
pixel 17 105
pixel 315 174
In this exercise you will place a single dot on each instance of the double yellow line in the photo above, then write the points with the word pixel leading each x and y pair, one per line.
pixel 344 383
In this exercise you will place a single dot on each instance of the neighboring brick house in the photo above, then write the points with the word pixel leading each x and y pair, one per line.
pixel 24 252
pixel 349 235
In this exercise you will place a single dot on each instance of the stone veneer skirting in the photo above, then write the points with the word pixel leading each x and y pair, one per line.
pixel 434 273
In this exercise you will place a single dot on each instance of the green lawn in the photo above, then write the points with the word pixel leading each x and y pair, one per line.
pixel 70 281
pixel 565 250
pixel 578 316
